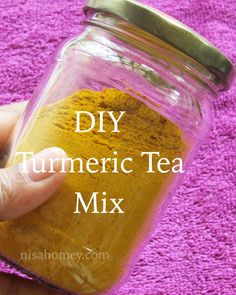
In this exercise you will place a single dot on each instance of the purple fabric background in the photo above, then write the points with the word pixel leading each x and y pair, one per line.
pixel 193 250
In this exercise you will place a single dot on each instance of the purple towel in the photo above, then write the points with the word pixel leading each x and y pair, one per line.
pixel 193 250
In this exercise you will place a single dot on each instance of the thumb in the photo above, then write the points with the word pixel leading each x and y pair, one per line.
pixel 22 191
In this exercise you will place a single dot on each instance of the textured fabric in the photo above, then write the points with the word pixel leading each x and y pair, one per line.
pixel 193 249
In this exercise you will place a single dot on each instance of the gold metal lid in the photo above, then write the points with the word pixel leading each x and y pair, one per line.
pixel 171 31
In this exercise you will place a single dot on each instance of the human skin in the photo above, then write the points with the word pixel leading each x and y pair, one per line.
pixel 20 194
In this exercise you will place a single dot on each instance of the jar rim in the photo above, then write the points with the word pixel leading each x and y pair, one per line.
pixel 171 31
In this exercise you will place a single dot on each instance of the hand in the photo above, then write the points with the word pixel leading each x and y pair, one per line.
pixel 20 193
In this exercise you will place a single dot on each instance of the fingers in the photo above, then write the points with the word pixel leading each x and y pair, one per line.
pixel 8 118
pixel 13 285
pixel 22 189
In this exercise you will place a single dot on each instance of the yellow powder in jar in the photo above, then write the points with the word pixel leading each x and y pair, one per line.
pixel 102 244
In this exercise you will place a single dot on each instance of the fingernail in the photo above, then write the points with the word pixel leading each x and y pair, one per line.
pixel 13 108
pixel 9 113
pixel 7 118
pixel 44 164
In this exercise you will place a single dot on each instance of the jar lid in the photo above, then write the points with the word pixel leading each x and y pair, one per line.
pixel 170 31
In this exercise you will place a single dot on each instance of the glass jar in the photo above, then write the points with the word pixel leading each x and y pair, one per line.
pixel 129 98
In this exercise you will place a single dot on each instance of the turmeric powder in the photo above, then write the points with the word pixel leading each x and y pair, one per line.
pixel 53 228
